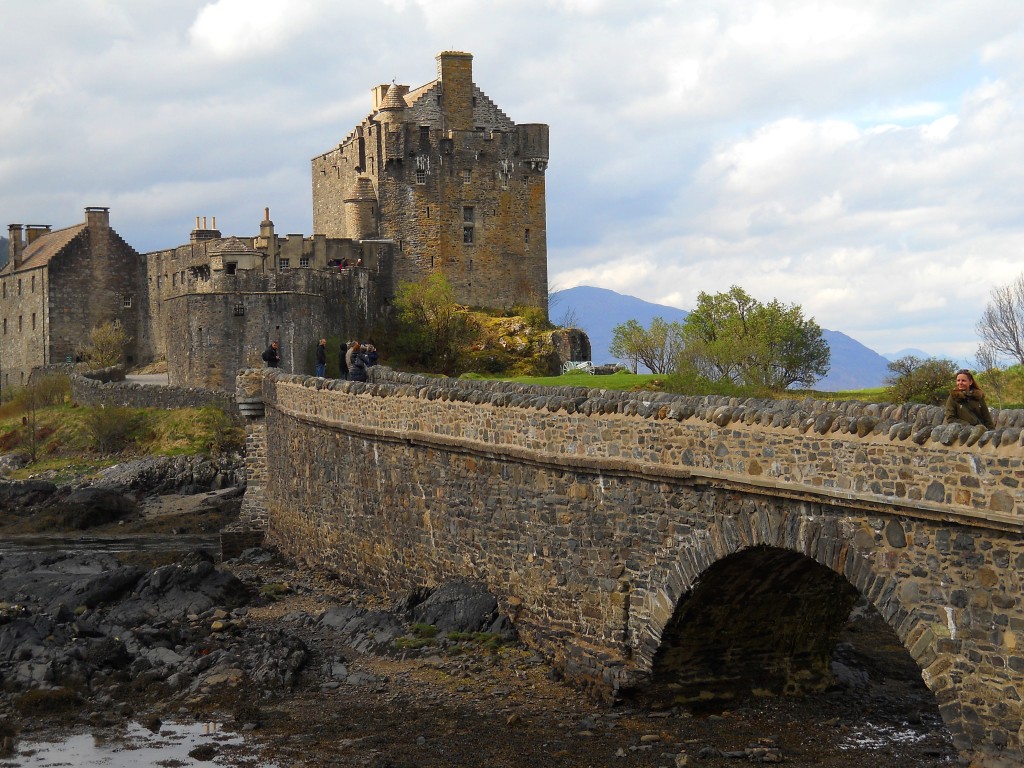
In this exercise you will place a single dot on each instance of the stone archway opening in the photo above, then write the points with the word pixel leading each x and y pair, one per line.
pixel 764 621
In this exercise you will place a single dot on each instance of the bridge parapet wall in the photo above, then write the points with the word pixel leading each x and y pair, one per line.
pixel 896 458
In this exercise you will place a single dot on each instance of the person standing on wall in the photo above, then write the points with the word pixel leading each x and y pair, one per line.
pixel 272 355
pixel 321 358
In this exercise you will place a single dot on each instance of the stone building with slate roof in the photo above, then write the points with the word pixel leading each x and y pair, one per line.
pixel 58 285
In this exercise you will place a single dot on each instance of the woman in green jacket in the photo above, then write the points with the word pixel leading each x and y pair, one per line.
pixel 966 403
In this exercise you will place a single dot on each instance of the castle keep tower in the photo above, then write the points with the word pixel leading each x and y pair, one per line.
pixel 458 187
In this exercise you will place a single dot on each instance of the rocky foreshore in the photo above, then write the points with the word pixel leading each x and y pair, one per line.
pixel 319 672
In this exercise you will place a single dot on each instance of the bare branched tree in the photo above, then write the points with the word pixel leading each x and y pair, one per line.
pixel 1002 324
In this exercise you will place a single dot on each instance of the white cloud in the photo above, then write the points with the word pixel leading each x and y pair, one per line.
pixel 862 160
pixel 249 28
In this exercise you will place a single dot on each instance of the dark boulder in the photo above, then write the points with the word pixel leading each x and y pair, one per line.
pixel 461 606
pixel 87 507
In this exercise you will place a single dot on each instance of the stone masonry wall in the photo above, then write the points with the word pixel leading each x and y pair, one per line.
pixel 593 515
pixel 89 391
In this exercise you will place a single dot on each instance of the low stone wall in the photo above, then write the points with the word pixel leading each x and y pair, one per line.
pixel 88 391
pixel 896 458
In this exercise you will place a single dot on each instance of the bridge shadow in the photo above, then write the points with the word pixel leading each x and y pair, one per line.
pixel 768 622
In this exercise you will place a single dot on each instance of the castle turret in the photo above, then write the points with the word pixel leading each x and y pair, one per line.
pixel 361 210
pixel 15 246
pixel 455 71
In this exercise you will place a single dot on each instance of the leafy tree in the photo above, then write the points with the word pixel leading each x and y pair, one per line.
pixel 733 337
pixel 105 347
pixel 656 347
pixel 433 329
pixel 914 380
pixel 1002 324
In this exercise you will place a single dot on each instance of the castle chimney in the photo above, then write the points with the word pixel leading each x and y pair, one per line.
pixel 33 231
pixel 214 222
pixel 16 246
pixel 266 213
pixel 455 71
pixel 204 222
pixel 197 222
pixel 97 217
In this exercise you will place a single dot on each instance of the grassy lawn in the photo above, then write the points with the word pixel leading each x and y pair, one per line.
pixel 650 382
pixel 67 440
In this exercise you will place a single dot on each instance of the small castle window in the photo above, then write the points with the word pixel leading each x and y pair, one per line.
pixel 33 321
pixel 239 310
pixel 467 235
pixel 304 262
pixel 230 267
pixel 285 264
pixel 174 279
pixel 421 176
pixel 33 284
pixel 19 286
pixel 19 323
pixel 5 326
pixel 527 237
pixel 467 175
pixel 126 302
pixel 467 213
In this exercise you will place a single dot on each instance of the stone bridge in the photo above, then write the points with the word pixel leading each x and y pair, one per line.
pixel 637 539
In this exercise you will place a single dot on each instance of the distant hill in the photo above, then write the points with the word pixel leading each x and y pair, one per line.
pixel 598 310
pixel 905 353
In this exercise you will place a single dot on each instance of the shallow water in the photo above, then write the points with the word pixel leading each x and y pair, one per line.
pixel 135 747
pixel 17 545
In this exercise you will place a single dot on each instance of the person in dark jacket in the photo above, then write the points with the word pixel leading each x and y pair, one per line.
pixel 966 403
pixel 358 363
pixel 272 356
pixel 321 358
pixel 343 360
pixel 371 355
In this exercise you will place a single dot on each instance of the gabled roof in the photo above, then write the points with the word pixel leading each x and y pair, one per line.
pixel 231 245
pixel 44 248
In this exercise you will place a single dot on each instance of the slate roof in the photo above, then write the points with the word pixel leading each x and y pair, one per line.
pixel 44 248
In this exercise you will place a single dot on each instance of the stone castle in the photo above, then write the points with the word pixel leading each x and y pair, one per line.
pixel 434 179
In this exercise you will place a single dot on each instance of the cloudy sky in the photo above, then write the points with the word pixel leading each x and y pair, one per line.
pixel 861 158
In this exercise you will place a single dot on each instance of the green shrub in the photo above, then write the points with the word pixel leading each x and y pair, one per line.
pixel 225 435
pixel 914 380
pixel 112 429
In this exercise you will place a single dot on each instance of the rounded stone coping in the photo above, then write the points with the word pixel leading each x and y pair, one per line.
pixel 906 422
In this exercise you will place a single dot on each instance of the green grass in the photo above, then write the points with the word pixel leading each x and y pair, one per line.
pixel 66 444
pixel 650 382
pixel 619 381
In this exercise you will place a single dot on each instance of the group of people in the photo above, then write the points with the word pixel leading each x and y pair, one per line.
pixel 965 404
pixel 353 359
